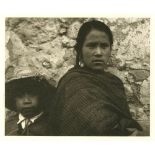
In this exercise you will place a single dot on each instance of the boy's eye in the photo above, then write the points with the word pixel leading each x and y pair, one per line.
pixel 22 93
pixel 33 92
pixel 19 94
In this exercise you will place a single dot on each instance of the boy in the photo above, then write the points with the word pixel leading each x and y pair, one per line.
pixel 31 96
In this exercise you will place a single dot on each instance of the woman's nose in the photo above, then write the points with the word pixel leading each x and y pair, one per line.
pixel 98 51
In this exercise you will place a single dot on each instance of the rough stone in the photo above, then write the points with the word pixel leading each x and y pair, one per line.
pixel 69 57
pixel 15 45
pixel 73 30
pixel 46 64
pixel 140 75
pixel 48 44
pixel 145 92
pixel 131 47
pixel 128 90
pixel 44 47
pixel 63 31
pixel 66 42
pixel 141 115
pixel 133 110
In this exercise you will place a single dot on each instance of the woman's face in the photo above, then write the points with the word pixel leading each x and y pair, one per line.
pixel 96 50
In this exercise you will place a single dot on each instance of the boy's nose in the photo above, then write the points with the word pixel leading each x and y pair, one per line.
pixel 27 99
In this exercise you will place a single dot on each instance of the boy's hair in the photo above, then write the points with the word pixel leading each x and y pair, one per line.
pixel 32 85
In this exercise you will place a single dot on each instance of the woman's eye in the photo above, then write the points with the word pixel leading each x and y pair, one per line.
pixel 104 46
pixel 91 45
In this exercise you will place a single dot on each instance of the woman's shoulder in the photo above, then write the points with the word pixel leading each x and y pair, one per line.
pixel 79 77
pixel 76 78
pixel 72 74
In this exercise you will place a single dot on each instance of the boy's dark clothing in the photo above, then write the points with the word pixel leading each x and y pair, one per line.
pixel 39 128
pixel 28 80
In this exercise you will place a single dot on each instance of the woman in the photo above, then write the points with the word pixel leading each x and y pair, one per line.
pixel 89 100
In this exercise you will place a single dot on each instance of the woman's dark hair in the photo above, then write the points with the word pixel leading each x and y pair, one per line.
pixel 83 32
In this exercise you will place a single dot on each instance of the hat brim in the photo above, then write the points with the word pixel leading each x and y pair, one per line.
pixel 10 90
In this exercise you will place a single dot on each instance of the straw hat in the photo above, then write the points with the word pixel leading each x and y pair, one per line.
pixel 24 77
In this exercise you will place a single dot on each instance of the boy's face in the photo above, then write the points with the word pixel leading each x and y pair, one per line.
pixel 27 104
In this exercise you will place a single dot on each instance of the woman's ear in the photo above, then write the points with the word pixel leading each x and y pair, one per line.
pixel 81 62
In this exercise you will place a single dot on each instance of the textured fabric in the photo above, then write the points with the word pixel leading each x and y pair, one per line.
pixel 89 103
pixel 41 127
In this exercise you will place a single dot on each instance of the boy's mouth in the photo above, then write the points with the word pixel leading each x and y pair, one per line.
pixel 28 112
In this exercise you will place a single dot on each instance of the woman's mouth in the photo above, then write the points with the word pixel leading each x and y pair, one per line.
pixel 98 61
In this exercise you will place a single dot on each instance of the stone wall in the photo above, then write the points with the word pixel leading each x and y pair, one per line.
pixel 48 44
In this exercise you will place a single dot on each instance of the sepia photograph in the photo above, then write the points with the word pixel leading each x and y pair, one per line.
pixel 82 76
pixel 77 77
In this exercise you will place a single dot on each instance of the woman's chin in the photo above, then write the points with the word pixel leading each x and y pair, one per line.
pixel 99 68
